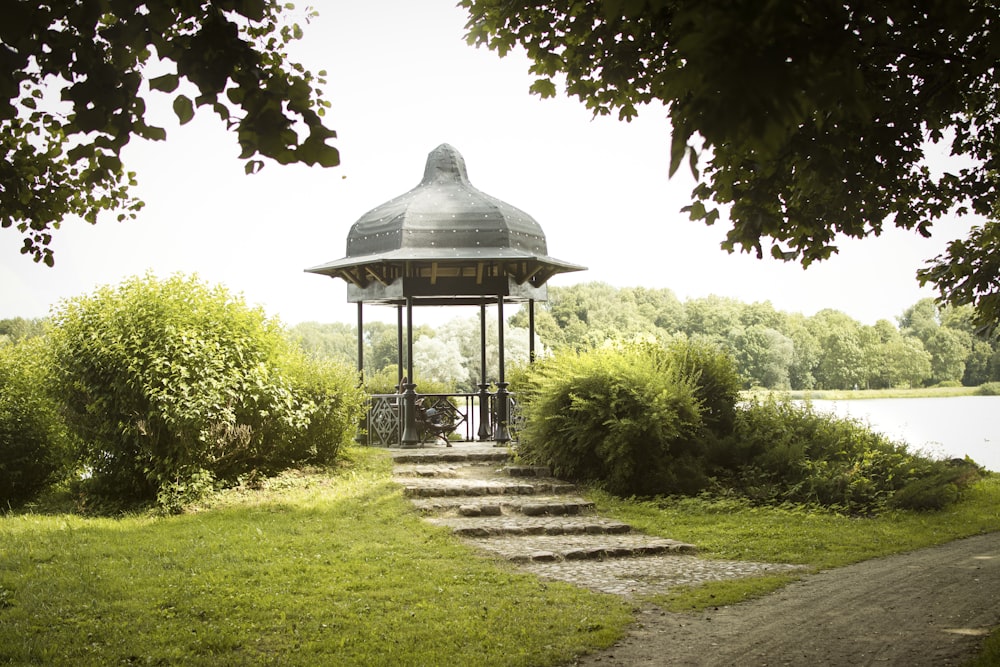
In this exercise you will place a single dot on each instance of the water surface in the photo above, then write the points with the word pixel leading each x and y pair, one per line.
pixel 952 427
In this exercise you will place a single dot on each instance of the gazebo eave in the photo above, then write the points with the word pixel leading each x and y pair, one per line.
pixel 449 255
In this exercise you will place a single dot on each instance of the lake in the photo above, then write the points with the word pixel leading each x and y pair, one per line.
pixel 943 427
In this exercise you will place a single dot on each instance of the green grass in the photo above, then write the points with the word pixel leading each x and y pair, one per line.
pixel 336 567
pixel 818 539
pixel 858 394
pixel 314 568
pixel 720 593
pixel 734 529
pixel 989 655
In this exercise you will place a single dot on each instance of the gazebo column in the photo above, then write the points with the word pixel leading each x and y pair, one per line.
pixel 500 434
pixel 484 387
pixel 361 438
pixel 399 347
pixel 531 331
pixel 361 344
pixel 409 437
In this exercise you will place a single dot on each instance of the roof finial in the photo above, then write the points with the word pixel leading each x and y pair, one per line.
pixel 445 164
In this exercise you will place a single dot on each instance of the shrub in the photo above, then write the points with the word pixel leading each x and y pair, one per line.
pixel 989 389
pixel 782 452
pixel 174 384
pixel 333 406
pixel 35 447
pixel 716 381
pixel 625 417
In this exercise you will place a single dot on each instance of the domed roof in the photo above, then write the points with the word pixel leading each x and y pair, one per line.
pixel 445 215
pixel 445 223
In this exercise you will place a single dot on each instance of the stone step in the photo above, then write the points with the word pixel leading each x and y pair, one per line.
pixel 443 486
pixel 534 505
pixel 528 471
pixel 491 526
pixel 545 548
pixel 465 470
pixel 460 453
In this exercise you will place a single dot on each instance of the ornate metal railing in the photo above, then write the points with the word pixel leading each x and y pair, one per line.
pixel 383 424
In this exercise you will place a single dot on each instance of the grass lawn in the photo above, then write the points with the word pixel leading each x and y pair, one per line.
pixel 315 569
pixel 336 567
pixel 859 394
pixel 734 529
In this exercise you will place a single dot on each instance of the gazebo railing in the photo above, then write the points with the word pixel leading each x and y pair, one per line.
pixel 383 425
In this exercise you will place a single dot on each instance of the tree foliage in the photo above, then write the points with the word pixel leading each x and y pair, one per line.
pixel 72 95
pixel 15 329
pixel 771 348
pixel 806 121
pixel 774 349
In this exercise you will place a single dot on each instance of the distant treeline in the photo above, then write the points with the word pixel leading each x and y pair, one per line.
pixel 925 345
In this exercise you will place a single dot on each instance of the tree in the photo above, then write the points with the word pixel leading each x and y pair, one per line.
pixel 763 357
pixel 72 96
pixel 920 320
pixel 806 352
pixel 15 329
pixel 907 363
pixel 659 306
pixel 806 120
pixel 711 316
pixel 949 349
pixel 438 360
pixel 841 360
pixel 337 341
pixel 589 314
pixel 977 364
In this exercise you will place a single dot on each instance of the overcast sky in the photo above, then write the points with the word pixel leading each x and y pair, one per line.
pixel 402 80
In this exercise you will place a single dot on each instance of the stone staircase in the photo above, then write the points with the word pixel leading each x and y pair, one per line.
pixel 526 516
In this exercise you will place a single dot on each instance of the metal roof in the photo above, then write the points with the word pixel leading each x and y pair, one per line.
pixel 453 239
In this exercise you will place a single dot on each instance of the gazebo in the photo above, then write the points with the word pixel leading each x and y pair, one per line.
pixel 446 243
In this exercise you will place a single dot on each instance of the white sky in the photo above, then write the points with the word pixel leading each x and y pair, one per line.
pixel 402 80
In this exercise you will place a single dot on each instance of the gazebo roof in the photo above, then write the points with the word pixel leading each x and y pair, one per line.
pixel 445 241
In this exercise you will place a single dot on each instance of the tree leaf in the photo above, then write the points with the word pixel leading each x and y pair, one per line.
pixel 678 149
pixel 167 83
pixel 184 108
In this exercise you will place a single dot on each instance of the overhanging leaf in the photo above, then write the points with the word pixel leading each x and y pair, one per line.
pixel 184 108
pixel 167 83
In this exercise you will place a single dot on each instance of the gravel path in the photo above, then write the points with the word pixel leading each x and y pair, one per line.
pixel 928 607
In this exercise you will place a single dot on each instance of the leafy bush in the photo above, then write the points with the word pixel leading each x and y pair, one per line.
pixel 626 417
pixel 174 384
pixel 326 391
pixel 782 452
pixel 35 447
pixel 716 381
pixel 989 389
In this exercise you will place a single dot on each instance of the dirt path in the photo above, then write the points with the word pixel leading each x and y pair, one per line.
pixel 928 607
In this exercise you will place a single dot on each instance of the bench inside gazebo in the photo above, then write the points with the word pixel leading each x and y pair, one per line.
pixel 444 243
